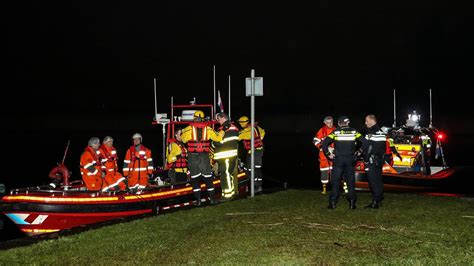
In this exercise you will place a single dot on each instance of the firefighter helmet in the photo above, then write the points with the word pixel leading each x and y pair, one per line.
pixel 243 121
pixel 137 136
pixel 199 115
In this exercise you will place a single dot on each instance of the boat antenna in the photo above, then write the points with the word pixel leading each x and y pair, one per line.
pixel 229 100
pixel 431 111
pixel 214 78
pixel 172 111
pixel 65 152
pixel 394 109
pixel 156 110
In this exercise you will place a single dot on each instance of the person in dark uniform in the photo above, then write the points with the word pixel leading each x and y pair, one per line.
pixel 226 154
pixel 197 136
pixel 374 159
pixel 344 159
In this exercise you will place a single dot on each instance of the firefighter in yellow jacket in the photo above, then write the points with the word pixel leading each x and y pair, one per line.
pixel 177 159
pixel 245 135
pixel 197 137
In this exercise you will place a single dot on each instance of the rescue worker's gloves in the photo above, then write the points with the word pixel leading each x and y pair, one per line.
pixel 330 156
pixel 226 126
pixel 331 150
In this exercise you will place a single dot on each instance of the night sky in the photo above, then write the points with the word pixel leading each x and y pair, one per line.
pixel 76 69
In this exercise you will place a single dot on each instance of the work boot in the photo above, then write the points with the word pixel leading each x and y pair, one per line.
pixel 212 198
pixel 324 190
pixel 352 204
pixel 332 205
pixel 212 201
pixel 198 200
pixel 373 205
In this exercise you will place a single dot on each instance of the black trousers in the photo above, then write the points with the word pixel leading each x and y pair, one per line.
pixel 343 166
pixel 199 165
pixel 374 175
pixel 258 160
pixel 177 177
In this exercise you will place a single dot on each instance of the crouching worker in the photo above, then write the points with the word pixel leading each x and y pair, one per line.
pixel 90 166
pixel 197 137
pixel 108 158
pixel 177 160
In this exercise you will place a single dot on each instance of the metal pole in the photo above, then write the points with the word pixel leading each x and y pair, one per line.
pixel 394 109
pixel 431 111
pixel 214 75
pixel 172 113
pixel 65 152
pixel 164 144
pixel 156 106
pixel 229 99
pixel 252 141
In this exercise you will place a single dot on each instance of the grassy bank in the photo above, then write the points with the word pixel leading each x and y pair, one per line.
pixel 286 227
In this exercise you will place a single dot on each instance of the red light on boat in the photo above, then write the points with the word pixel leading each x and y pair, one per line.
pixel 440 136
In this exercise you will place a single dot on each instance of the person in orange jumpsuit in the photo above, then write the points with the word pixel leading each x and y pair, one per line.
pixel 108 159
pixel 138 164
pixel 324 163
pixel 90 166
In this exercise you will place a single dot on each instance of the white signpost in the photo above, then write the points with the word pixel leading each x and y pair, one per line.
pixel 253 87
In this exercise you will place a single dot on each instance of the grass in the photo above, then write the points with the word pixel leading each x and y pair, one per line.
pixel 289 227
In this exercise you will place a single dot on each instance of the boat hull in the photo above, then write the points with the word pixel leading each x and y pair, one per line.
pixel 408 181
pixel 40 212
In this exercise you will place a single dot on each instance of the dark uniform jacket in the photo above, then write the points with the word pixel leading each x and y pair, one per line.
pixel 344 139
pixel 377 144
pixel 229 144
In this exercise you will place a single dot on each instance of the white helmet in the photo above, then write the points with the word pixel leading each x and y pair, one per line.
pixel 137 136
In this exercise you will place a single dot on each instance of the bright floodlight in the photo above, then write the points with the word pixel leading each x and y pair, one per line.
pixel 413 119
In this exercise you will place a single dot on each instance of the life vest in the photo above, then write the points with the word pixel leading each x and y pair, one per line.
pixel 110 153
pixel 108 157
pixel 388 150
pixel 141 153
pixel 200 141
pixel 95 161
pixel 181 160
pixel 257 140
pixel 321 135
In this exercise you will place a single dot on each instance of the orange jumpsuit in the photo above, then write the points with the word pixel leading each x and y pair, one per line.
pixel 108 159
pixel 324 164
pixel 90 169
pixel 137 165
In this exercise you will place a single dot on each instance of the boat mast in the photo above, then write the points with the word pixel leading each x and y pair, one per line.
pixel 394 109
pixel 156 106
pixel 229 99
pixel 431 111
pixel 214 78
